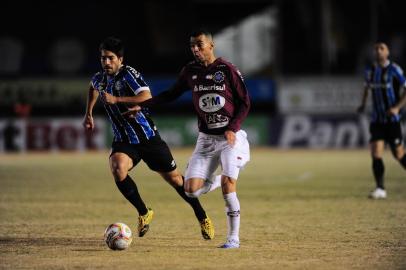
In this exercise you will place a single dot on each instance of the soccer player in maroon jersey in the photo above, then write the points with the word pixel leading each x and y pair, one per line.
pixel 221 102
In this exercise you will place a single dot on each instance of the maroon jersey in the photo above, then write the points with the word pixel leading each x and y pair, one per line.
pixel 219 94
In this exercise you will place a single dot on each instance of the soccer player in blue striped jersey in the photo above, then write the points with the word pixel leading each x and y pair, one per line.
pixel 137 138
pixel 385 80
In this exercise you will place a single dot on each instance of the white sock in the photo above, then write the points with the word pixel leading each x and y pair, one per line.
pixel 233 216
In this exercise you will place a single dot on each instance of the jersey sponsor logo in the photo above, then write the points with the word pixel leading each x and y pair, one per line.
pixel 215 120
pixel 134 72
pixel 102 86
pixel 200 87
pixel 211 102
pixel 219 77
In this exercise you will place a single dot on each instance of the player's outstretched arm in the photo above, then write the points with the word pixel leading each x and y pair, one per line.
pixel 163 97
pixel 92 96
pixel 140 97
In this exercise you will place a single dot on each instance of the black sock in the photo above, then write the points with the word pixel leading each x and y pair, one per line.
pixel 403 161
pixel 129 190
pixel 378 168
pixel 193 202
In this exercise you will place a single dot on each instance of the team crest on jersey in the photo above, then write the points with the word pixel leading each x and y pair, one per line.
pixel 102 86
pixel 118 85
pixel 218 77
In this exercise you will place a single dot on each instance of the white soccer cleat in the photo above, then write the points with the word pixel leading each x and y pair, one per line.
pixel 231 243
pixel 377 193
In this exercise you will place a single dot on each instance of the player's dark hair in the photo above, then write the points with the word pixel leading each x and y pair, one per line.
pixel 114 45
pixel 201 31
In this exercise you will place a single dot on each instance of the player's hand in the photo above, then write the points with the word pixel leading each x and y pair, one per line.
pixel 393 111
pixel 132 111
pixel 361 109
pixel 88 122
pixel 109 99
pixel 230 137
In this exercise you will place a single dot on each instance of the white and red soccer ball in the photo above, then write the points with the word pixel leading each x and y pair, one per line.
pixel 118 236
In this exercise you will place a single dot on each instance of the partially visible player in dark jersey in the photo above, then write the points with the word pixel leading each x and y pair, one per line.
pixel 136 138
pixel 221 102
pixel 385 80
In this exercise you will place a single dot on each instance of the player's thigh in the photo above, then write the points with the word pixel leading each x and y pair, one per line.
pixel 398 151
pixel 204 160
pixel 395 140
pixel 194 184
pixel 157 155
pixel 120 164
pixel 201 166
pixel 234 158
pixel 124 155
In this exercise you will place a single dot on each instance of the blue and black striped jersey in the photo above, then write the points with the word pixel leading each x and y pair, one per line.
pixel 385 83
pixel 127 82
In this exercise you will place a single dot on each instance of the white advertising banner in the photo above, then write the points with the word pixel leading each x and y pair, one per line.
pixel 320 95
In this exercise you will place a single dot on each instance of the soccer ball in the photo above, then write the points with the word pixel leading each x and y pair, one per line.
pixel 118 236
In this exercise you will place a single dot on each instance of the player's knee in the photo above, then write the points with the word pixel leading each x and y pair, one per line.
pixel 192 192
pixel 397 152
pixel 119 170
pixel 228 184
pixel 399 155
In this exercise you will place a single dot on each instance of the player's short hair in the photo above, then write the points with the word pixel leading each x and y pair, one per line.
pixel 114 45
pixel 201 31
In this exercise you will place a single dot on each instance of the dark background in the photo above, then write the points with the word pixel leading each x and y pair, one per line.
pixel 156 32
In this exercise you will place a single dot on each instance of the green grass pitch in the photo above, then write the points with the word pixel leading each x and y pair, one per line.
pixel 299 210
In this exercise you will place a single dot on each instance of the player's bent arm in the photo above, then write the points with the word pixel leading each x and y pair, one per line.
pixel 243 106
pixel 140 97
pixel 402 102
pixel 92 96
pixel 361 108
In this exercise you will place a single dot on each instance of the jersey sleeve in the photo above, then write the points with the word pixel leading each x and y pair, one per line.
pixel 242 100
pixel 96 80
pixel 135 81
pixel 175 91
pixel 399 75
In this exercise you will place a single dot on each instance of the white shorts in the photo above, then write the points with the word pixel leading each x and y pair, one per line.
pixel 213 150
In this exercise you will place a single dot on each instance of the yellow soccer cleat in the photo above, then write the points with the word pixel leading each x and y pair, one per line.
pixel 207 228
pixel 144 221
